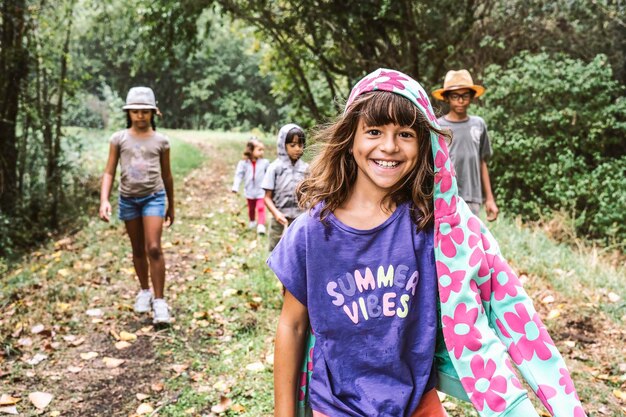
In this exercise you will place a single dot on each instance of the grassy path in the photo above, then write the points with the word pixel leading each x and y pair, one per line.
pixel 67 317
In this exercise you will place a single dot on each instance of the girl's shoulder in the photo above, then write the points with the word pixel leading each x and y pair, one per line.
pixel 117 137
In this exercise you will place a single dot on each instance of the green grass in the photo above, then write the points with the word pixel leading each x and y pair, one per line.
pixel 226 301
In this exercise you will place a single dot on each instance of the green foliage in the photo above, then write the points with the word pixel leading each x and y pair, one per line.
pixel 558 125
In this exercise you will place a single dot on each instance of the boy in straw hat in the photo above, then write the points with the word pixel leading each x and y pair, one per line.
pixel 470 149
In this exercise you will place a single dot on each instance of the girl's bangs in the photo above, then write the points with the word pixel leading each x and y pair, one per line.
pixel 383 107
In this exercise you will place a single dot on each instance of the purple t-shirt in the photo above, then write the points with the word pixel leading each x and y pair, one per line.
pixel 371 299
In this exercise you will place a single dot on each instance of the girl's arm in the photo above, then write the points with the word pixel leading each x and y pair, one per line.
pixel 107 183
pixel 288 354
pixel 490 203
pixel 239 174
pixel 168 182
pixel 278 215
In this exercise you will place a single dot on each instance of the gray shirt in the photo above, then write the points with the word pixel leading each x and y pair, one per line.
pixel 140 162
pixel 470 145
pixel 282 177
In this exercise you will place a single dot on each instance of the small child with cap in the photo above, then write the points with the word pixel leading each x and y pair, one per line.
pixel 145 184
pixel 470 149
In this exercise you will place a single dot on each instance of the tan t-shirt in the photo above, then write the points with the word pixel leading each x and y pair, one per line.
pixel 140 162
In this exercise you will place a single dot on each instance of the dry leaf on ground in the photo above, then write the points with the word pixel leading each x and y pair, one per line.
pixel 40 399
pixel 37 359
pixel 88 355
pixel 9 409
pixel 122 345
pixel 112 362
pixel 6 399
pixel 224 404
pixel 127 337
pixel 255 367
pixel 144 409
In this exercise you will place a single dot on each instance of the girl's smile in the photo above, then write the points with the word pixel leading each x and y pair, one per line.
pixel 384 155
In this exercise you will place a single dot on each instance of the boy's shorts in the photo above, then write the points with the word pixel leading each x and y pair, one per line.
pixel 151 205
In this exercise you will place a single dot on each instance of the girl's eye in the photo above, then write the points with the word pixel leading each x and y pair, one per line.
pixel 373 132
pixel 407 134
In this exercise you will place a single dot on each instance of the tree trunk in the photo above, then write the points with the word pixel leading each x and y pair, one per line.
pixel 57 175
pixel 13 69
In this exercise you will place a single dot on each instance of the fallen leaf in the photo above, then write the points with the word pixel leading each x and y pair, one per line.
pixel 255 367
pixel 69 338
pixel 224 404
pixel 94 312
pixel 88 355
pixel 122 345
pixel 128 337
pixel 140 396
pixel 269 358
pixel 144 409
pixel 55 414
pixel 6 399
pixel 40 399
pixel 229 292
pixel 554 314
pixel 74 369
pixel 25 341
pixel 157 387
pixel 180 368
pixel 63 272
pixel 78 342
pixel 614 298
pixel 10 409
pixel 37 359
pixel 547 299
pixel 238 408
pixel 620 394
pixel 37 328
pixel 112 362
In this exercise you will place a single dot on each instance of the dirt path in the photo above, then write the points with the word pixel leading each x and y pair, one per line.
pixel 73 333
pixel 67 321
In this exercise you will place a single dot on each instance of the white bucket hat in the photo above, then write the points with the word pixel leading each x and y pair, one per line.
pixel 140 98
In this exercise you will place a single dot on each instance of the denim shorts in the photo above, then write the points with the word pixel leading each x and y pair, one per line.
pixel 150 205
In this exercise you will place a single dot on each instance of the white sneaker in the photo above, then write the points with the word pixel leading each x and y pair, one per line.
pixel 143 301
pixel 161 311
pixel 252 224
pixel 260 229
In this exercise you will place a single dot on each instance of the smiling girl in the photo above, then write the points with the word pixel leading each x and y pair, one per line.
pixel 397 281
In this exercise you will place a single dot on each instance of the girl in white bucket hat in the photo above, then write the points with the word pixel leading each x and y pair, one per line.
pixel 145 184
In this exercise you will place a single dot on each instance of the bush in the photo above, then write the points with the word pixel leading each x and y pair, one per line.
pixel 558 126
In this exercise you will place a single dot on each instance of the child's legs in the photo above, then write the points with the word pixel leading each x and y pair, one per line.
pixel 275 232
pixel 134 228
pixel 251 208
pixel 153 227
pixel 260 208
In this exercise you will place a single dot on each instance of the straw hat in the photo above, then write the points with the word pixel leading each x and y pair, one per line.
pixel 456 80
pixel 140 98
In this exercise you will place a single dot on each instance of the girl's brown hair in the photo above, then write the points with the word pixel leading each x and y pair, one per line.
pixel 334 170
pixel 252 143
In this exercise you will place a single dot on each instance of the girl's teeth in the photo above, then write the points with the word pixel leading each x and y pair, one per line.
pixel 386 164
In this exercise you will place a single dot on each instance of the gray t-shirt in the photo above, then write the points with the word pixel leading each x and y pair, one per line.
pixel 470 145
pixel 140 162
pixel 282 177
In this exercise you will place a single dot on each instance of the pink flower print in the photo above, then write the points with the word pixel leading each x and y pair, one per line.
pixel 448 281
pixel 545 392
pixel 484 386
pixel 514 380
pixel 504 280
pixel 460 331
pixel 566 382
pixel 444 179
pixel 443 146
pixel 302 389
pixel 502 329
pixel 477 294
pixel 449 236
pixel 579 412
pixel 535 338
pixel 423 101
pixel 440 160
pixel 474 226
pixel 309 365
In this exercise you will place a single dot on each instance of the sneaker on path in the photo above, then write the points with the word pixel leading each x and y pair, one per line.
pixel 143 301
pixel 161 311
pixel 252 224
pixel 260 229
